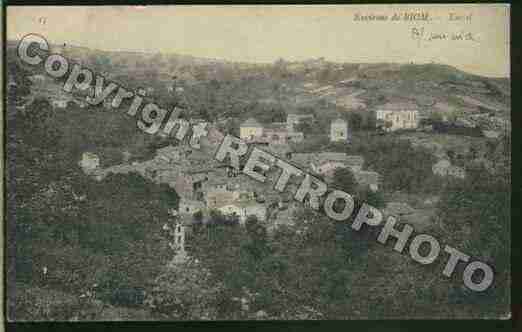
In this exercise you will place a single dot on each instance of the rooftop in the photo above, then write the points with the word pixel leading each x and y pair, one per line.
pixel 251 122
pixel 400 106
pixel 89 155
pixel 340 120
pixel 276 126
pixel 340 157
pixel 305 159
pixel 170 150
pixel 296 116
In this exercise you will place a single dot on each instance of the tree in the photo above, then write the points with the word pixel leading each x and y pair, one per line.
pixel 38 127
pixel 198 216
pixel 355 120
pixel 257 246
pixel 305 126
pixel 343 179
pixel 232 127
pixel 373 198
pixel 19 75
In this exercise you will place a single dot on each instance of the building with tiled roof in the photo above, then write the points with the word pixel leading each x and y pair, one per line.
pixel 398 115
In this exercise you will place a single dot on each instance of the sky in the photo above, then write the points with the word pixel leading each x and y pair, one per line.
pixel 267 33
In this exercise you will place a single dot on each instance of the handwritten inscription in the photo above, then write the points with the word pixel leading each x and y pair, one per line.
pixel 424 35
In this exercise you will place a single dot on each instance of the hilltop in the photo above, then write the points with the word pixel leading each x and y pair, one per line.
pixel 296 85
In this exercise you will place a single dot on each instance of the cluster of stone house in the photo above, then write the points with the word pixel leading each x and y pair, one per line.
pixel 226 200
pixel 203 188
pixel 229 196
pixel 203 184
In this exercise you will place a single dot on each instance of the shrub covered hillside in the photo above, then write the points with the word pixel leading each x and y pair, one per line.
pixel 66 233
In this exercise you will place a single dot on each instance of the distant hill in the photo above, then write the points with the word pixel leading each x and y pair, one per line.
pixel 222 85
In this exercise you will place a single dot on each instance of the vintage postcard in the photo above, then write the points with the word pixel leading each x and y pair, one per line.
pixel 334 162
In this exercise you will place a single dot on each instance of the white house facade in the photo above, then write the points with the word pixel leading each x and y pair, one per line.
pixel 339 130
pixel 398 116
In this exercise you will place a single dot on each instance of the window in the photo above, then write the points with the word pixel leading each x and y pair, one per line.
pixel 179 239
pixel 179 228
pixel 187 208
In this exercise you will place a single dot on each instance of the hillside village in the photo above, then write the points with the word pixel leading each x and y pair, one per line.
pixel 203 184
pixel 401 136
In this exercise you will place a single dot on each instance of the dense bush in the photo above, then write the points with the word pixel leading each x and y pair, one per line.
pixel 68 232
pixel 401 166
